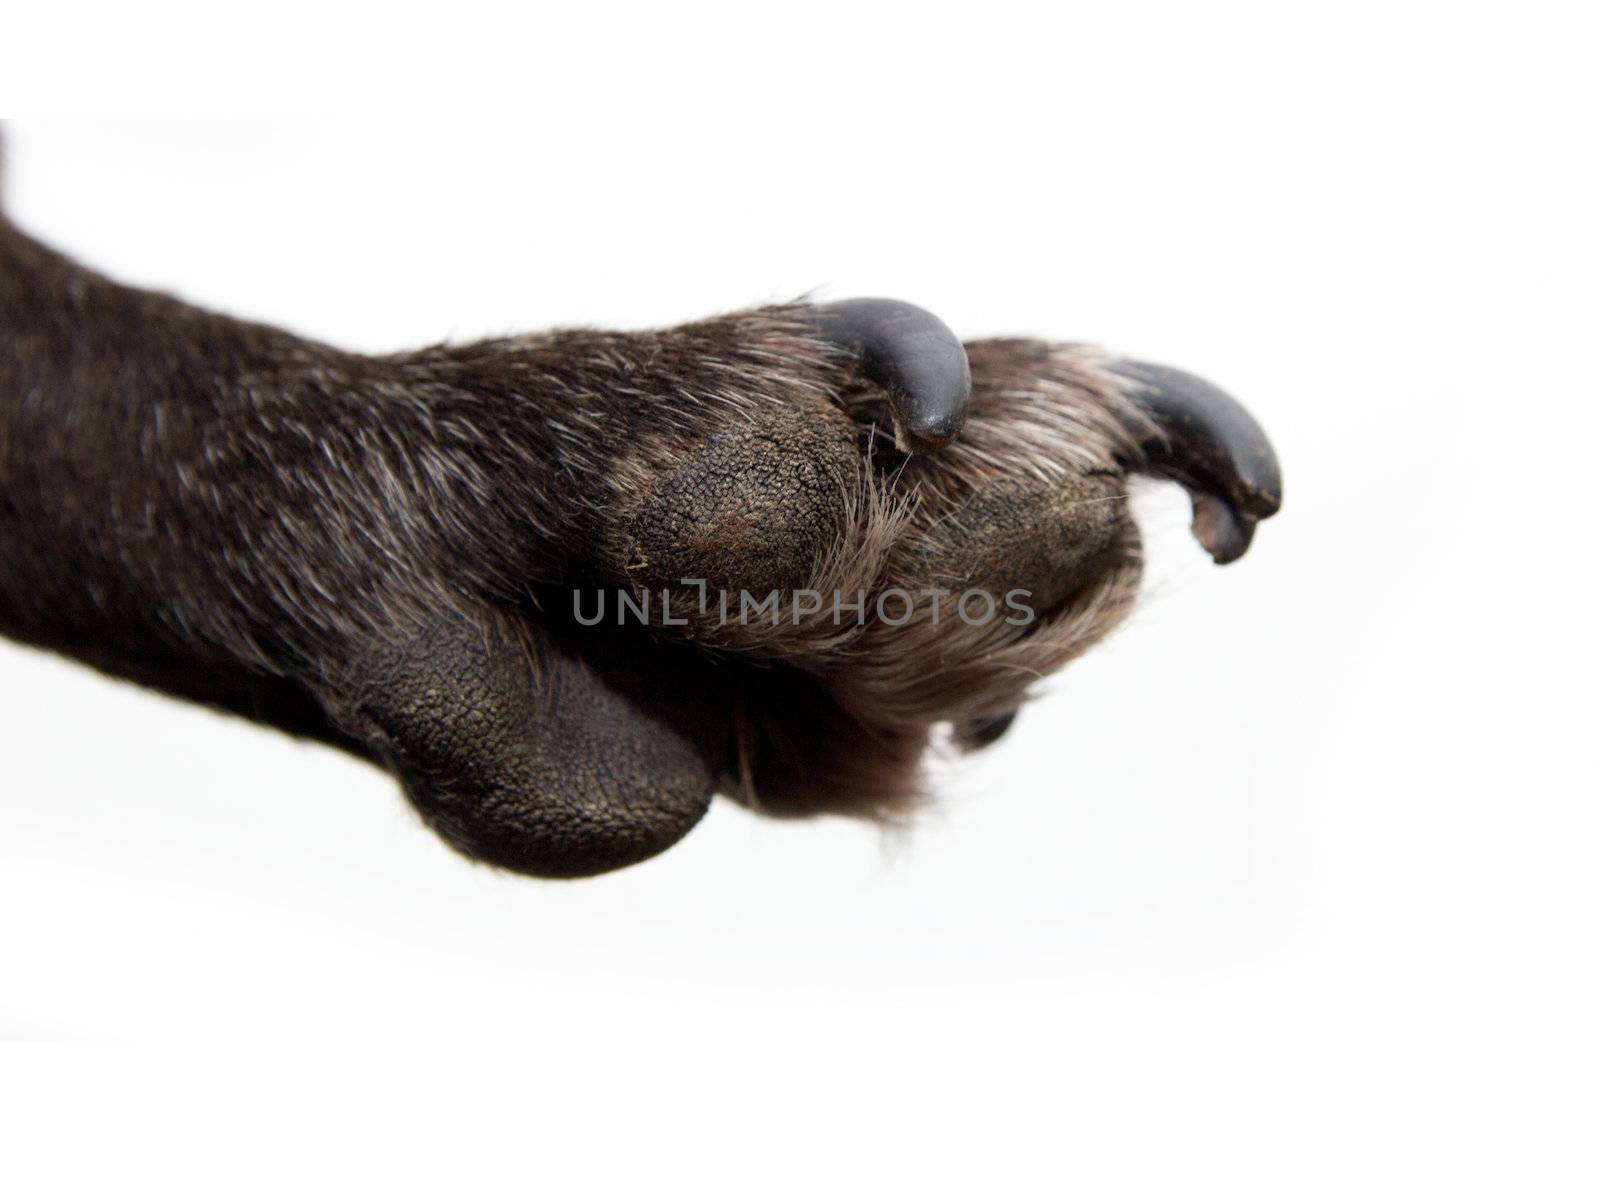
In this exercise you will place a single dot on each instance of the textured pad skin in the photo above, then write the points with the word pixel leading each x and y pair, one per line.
pixel 520 754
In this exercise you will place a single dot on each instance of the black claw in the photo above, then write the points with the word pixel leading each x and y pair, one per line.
pixel 914 357
pixel 1211 444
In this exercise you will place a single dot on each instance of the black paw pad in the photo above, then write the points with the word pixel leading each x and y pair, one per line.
pixel 755 507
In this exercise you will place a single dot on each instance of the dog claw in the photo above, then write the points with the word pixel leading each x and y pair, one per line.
pixel 914 357
pixel 1210 444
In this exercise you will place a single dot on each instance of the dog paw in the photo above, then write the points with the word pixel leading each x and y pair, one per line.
pixel 567 587
pixel 890 580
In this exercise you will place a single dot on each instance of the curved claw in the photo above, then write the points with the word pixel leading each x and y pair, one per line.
pixel 914 357
pixel 1212 446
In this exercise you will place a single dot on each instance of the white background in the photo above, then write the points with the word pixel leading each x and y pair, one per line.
pixel 1286 893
